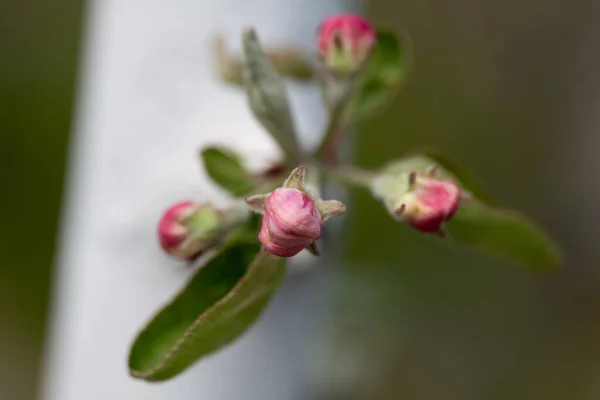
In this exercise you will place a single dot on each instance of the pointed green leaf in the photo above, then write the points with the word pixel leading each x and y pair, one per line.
pixel 296 179
pixel 289 61
pixel 503 232
pixel 268 98
pixel 225 168
pixel 383 76
pixel 219 304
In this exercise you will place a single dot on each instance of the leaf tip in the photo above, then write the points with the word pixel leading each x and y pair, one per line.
pixel 296 178
pixel 555 257
pixel 135 374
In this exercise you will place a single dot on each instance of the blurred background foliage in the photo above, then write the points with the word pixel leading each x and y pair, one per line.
pixel 508 89
pixel 39 44
pixel 495 86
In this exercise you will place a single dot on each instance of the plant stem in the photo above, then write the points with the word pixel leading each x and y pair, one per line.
pixel 350 175
pixel 331 130
pixel 338 95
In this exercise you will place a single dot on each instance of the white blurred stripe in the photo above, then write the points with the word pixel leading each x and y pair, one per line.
pixel 148 99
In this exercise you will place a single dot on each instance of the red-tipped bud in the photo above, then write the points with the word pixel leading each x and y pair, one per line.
pixel 417 191
pixel 293 218
pixel 186 229
pixel 345 42
pixel 291 222
pixel 431 203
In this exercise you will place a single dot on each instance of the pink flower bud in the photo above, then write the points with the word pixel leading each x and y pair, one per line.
pixel 431 203
pixel 186 229
pixel 291 222
pixel 345 42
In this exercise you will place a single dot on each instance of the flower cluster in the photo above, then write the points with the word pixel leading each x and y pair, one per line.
pixel 292 215
pixel 361 70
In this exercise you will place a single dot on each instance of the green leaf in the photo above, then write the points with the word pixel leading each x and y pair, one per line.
pixel 288 61
pixel 218 305
pixel 224 167
pixel 383 75
pixel 267 97
pixel 503 232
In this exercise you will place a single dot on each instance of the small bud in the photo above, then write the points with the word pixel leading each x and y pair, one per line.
pixel 292 217
pixel 431 203
pixel 345 42
pixel 290 224
pixel 186 229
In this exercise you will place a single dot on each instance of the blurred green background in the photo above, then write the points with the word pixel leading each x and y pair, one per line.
pixel 508 89
pixel 39 44
pixel 502 88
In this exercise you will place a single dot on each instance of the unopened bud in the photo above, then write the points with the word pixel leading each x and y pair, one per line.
pixel 419 193
pixel 292 219
pixel 186 230
pixel 429 204
pixel 345 42
pixel 291 222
